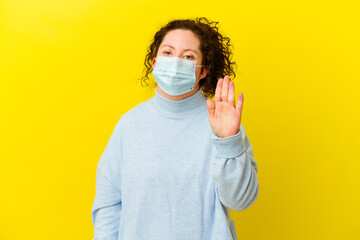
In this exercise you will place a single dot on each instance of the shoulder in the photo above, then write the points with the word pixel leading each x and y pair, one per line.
pixel 137 113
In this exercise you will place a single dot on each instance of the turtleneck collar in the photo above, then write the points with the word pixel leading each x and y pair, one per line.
pixel 192 104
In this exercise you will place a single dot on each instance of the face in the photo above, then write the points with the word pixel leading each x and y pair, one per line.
pixel 182 44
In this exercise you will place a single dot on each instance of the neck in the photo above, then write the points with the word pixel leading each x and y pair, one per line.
pixel 181 108
pixel 178 97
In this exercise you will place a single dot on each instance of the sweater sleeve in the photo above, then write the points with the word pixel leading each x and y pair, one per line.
pixel 106 209
pixel 234 171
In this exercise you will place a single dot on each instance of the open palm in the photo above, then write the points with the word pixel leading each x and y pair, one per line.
pixel 224 116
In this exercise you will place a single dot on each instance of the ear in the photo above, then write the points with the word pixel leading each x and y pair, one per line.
pixel 153 63
pixel 204 72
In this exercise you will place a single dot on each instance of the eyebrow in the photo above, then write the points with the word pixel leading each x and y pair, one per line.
pixel 188 49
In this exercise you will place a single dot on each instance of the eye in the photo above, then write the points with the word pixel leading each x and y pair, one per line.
pixel 189 57
pixel 166 52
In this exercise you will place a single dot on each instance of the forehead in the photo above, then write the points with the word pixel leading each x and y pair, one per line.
pixel 181 39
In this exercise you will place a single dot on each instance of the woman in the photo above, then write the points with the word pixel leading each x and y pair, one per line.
pixel 177 163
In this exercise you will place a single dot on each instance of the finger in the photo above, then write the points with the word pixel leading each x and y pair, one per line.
pixel 211 107
pixel 231 97
pixel 240 103
pixel 225 89
pixel 218 90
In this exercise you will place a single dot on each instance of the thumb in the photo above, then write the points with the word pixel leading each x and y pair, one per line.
pixel 211 107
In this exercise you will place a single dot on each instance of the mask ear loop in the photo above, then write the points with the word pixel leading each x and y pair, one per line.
pixel 195 84
pixel 197 80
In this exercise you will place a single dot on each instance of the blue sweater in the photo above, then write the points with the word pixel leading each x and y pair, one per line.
pixel 164 175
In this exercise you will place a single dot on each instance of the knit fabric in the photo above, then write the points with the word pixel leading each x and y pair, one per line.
pixel 164 175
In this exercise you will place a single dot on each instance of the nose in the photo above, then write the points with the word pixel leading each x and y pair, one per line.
pixel 179 55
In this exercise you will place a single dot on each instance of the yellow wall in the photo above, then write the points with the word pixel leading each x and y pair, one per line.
pixel 68 71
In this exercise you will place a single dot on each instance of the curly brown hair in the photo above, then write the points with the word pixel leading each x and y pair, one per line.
pixel 216 50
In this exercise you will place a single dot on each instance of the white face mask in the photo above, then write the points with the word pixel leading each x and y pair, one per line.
pixel 175 76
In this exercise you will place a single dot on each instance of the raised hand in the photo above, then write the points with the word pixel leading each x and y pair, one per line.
pixel 224 116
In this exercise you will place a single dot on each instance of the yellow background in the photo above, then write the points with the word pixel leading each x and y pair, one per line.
pixel 68 71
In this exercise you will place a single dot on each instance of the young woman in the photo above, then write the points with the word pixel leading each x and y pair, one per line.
pixel 177 163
